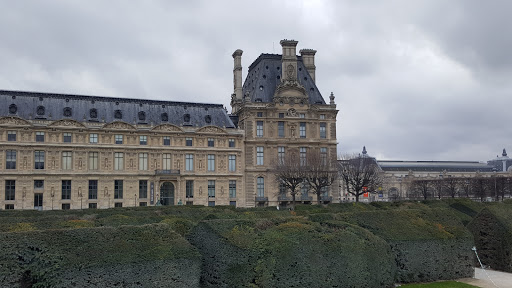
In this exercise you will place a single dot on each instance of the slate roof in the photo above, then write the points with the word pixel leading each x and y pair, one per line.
pixel 50 106
pixel 435 166
pixel 264 76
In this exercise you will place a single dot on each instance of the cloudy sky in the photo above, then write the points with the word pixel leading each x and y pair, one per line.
pixel 413 80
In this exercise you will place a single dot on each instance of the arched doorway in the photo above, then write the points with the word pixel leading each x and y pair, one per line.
pixel 167 194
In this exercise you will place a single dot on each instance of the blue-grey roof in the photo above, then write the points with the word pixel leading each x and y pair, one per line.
pixel 265 75
pixel 435 166
pixel 49 106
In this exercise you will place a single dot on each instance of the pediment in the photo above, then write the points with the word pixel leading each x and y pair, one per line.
pixel 13 120
pixel 211 129
pixel 167 128
pixel 67 123
pixel 119 125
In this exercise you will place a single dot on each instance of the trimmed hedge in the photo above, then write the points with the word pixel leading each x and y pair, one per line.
pixel 291 253
pixel 127 256
pixel 492 230
pixel 428 245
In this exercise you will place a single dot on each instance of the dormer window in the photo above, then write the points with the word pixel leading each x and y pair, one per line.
pixel 118 114
pixel 208 119
pixel 186 118
pixel 40 110
pixel 164 117
pixel 142 116
pixel 13 109
pixel 93 113
pixel 67 112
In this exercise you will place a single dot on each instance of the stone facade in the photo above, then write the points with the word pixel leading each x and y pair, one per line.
pixel 61 151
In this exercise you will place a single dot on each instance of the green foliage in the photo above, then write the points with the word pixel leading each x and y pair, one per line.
pixel 444 284
pixel 48 258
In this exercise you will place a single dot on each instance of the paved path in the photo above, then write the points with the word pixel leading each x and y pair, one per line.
pixel 481 279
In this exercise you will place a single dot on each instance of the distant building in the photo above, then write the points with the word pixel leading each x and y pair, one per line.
pixel 396 174
pixel 61 151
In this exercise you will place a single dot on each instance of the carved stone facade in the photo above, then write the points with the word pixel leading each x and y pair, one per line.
pixel 62 151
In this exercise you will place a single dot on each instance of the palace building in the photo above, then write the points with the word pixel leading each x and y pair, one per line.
pixel 62 151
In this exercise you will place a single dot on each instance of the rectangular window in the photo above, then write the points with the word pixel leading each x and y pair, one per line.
pixel 302 115
pixel 93 205
pixel 188 141
pixel 211 142
pixel 66 206
pixel 119 139
pixel 143 204
pixel 93 189
pixel 261 187
pixel 322 116
pixel 39 136
pixel 304 189
pixel 11 135
pixel 143 188
pixel 143 161
pixel 231 143
pixel 118 205
pixel 282 189
pixel 280 129
pixel 93 138
pixel 323 133
pixel 211 188
pixel 259 128
pixel 211 162
pixel 167 141
pixel 67 163
pixel 302 130
pixel 211 203
pixel 93 160
pixel 10 159
pixel 189 189
pixel 38 159
pixel 189 162
pixel 118 189
pixel 166 161
pixel 143 140
pixel 118 161
pixel 281 115
pixel 232 203
pixel 10 189
pixel 280 155
pixel 66 137
pixel 9 206
pixel 259 155
pixel 303 159
pixel 66 189
pixel 323 156
pixel 38 184
pixel 232 163
pixel 232 188
pixel 259 114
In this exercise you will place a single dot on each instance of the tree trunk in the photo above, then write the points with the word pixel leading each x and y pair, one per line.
pixel 357 197
pixel 293 201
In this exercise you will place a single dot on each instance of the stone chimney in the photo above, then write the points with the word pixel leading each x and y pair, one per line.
pixel 308 58
pixel 237 74
pixel 289 60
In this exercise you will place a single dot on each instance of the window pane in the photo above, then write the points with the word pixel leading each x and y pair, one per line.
pixel 93 160
pixel 93 189
pixel 143 161
pixel 189 162
pixel 232 163
pixel 143 188
pixel 211 162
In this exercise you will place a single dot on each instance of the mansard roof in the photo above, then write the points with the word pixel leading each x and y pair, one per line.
pixel 50 106
pixel 265 75
pixel 434 166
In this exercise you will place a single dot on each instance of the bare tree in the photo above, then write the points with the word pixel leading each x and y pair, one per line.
pixel 422 187
pixel 320 172
pixel 451 185
pixel 289 173
pixel 438 187
pixel 481 186
pixel 357 172
pixel 465 186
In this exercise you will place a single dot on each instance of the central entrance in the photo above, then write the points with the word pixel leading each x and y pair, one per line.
pixel 167 194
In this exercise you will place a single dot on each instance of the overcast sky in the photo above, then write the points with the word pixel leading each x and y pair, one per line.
pixel 413 80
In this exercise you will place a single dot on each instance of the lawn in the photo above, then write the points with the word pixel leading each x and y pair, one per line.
pixel 446 284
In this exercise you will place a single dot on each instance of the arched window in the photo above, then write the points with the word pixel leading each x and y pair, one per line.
pixel 261 186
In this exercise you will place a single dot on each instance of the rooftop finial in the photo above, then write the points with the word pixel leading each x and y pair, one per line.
pixel 332 98
pixel 364 150
pixel 504 152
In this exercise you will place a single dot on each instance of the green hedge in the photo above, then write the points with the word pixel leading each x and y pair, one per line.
pixel 291 253
pixel 428 245
pixel 492 230
pixel 103 257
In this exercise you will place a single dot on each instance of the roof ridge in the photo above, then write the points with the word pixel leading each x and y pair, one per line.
pixel 105 98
